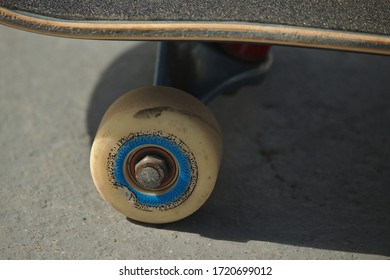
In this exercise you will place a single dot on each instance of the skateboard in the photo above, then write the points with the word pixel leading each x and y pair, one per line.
pixel 158 149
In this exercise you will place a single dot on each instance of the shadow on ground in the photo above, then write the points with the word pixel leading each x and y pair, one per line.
pixel 307 153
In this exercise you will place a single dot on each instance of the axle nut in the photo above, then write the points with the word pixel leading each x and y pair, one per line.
pixel 151 171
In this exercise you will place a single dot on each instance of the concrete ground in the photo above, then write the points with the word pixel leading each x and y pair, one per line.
pixel 305 173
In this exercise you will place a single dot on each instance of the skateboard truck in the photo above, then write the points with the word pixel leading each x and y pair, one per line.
pixel 157 152
pixel 206 70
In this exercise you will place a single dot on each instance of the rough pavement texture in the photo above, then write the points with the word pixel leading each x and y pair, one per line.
pixel 304 175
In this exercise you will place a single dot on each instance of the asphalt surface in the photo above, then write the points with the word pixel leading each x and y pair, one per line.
pixel 305 174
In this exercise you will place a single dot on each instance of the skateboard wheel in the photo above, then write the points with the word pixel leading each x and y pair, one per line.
pixel 156 154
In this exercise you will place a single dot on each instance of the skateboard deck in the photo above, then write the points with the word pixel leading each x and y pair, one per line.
pixel 354 25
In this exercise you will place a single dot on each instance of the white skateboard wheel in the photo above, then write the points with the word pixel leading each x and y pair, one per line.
pixel 156 154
